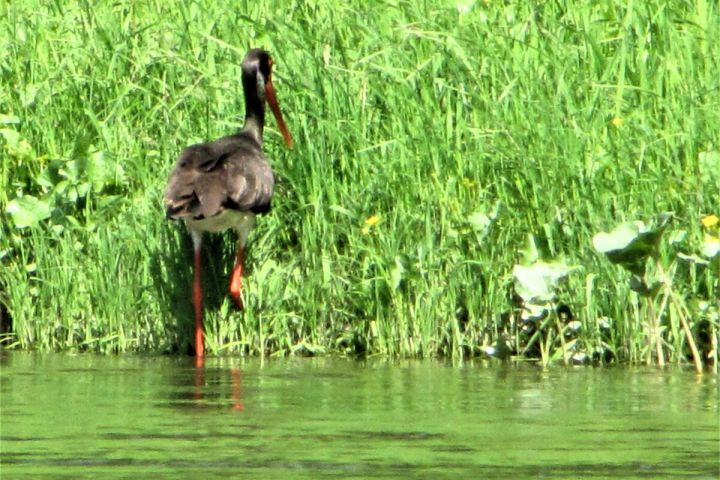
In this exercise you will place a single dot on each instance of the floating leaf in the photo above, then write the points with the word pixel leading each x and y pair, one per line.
pixel 27 211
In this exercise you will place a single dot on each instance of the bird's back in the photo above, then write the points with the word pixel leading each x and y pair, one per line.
pixel 209 178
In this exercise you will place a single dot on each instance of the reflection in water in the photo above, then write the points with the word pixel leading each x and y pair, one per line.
pixel 236 382
pixel 152 417
pixel 207 386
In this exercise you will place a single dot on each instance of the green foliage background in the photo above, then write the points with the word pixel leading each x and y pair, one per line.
pixel 435 141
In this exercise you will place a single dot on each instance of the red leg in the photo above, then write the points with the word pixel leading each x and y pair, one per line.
pixel 197 304
pixel 236 278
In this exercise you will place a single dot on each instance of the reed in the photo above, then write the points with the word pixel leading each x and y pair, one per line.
pixel 435 141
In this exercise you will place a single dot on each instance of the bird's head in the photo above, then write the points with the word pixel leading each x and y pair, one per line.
pixel 257 68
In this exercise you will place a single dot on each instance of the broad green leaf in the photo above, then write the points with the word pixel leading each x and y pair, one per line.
pixel 530 253
pixel 27 211
pixel 709 166
pixel 537 283
pixel 711 246
pixel 532 312
pixel 479 221
pixel 397 273
pixel 641 287
pixel 342 211
pixel 631 243
pixel 15 145
pixel 6 119
pixel 619 238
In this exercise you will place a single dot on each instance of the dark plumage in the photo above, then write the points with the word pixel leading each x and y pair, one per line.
pixel 228 173
pixel 224 183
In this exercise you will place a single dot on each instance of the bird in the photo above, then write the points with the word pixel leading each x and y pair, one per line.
pixel 223 184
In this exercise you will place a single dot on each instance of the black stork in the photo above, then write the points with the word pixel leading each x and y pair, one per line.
pixel 225 183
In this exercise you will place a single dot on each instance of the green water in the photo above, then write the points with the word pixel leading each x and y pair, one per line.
pixel 160 417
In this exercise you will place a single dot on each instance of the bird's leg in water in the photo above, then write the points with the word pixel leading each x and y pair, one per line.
pixel 236 278
pixel 197 297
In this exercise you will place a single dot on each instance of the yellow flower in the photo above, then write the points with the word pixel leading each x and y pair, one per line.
pixel 372 220
pixel 617 122
pixel 710 221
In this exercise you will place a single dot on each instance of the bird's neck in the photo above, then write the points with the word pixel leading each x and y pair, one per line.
pixel 254 106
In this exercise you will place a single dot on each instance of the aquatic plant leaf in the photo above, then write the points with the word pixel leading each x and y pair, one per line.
pixel 711 246
pixel 479 221
pixel 709 166
pixel 6 119
pixel 692 259
pixel 397 273
pixel 641 287
pixel 27 211
pixel 530 253
pixel 631 243
pixel 532 312
pixel 537 283
pixel 15 145
pixel 500 349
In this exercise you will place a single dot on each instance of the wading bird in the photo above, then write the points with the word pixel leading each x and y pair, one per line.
pixel 225 183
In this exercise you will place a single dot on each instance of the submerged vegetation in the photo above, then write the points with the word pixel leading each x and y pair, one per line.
pixel 469 178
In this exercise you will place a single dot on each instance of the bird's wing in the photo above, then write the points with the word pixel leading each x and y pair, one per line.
pixel 211 177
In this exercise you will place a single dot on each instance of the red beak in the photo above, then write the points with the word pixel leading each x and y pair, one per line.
pixel 272 101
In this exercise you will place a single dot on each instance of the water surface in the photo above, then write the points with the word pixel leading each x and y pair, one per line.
pixel 65 416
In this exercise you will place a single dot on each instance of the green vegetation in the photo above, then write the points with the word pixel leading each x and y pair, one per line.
pixel 444 152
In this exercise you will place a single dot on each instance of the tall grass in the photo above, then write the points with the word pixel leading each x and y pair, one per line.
pixel 562 117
